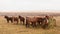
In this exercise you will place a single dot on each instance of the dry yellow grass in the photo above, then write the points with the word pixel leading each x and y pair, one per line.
pixel 10 28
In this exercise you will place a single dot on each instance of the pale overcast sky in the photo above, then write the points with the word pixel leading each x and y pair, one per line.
pixel 17 5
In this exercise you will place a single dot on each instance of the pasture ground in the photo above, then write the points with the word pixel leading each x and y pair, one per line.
pixel 12 28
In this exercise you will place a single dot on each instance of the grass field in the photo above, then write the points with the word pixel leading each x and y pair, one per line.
pixel 12 28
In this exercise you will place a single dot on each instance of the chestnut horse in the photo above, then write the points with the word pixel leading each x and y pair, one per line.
pixel 33 20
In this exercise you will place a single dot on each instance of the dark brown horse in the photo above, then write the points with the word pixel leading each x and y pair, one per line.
pixel 22 19
pixel 12 19
pixel 8 19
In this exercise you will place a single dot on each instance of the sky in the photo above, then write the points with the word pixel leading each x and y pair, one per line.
pixel 23 5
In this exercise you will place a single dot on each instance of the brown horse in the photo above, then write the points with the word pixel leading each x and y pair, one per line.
pixel 12 19
pixel 31 21
pixel 43 21
pixel 8 19
pixel 15 19
pixel 22 19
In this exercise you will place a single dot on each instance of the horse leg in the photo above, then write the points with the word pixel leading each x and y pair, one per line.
pixel 27 24
pixel 11 21
pixel 45 25
pixel 7 21
pixel 33 24
pixel 17 21
pixel 20 22
pixel 38 23
pixel 23 22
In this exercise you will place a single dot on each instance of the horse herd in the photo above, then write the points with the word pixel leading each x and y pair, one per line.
pixel 29 20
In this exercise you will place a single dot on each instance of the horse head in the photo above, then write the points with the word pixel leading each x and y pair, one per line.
pixel 5 16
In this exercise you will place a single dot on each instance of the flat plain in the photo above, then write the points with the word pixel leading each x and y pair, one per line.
pixel 12 28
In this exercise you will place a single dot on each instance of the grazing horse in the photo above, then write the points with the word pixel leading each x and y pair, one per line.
pixel 12 19
pixel 15 19
pixel 39 19
pixel 8 19
pixel 22 19
pixel 43 21
pixel 31 21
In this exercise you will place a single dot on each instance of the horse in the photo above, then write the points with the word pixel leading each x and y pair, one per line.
pixel 12 19
pixel 8 19
pixel 31 21
pixel 15 19
pixel 43 21
pixel 22 19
